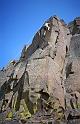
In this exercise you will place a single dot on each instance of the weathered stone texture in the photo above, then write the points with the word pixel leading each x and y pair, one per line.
pixel 45 79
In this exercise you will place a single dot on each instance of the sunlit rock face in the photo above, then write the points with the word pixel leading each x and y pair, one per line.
pixel 44 82
pixel 46 59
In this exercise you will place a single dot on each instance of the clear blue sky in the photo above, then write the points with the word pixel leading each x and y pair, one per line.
pixel 20 19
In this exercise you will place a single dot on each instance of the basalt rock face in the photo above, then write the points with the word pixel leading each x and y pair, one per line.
pixel 43 84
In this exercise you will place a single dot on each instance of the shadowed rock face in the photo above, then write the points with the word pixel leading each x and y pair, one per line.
pixel 74 26
pixel 44 83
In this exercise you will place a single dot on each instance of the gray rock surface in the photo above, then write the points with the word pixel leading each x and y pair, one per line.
pixel 43 85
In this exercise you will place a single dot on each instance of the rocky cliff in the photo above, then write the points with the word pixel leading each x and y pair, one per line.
pixel 42 87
